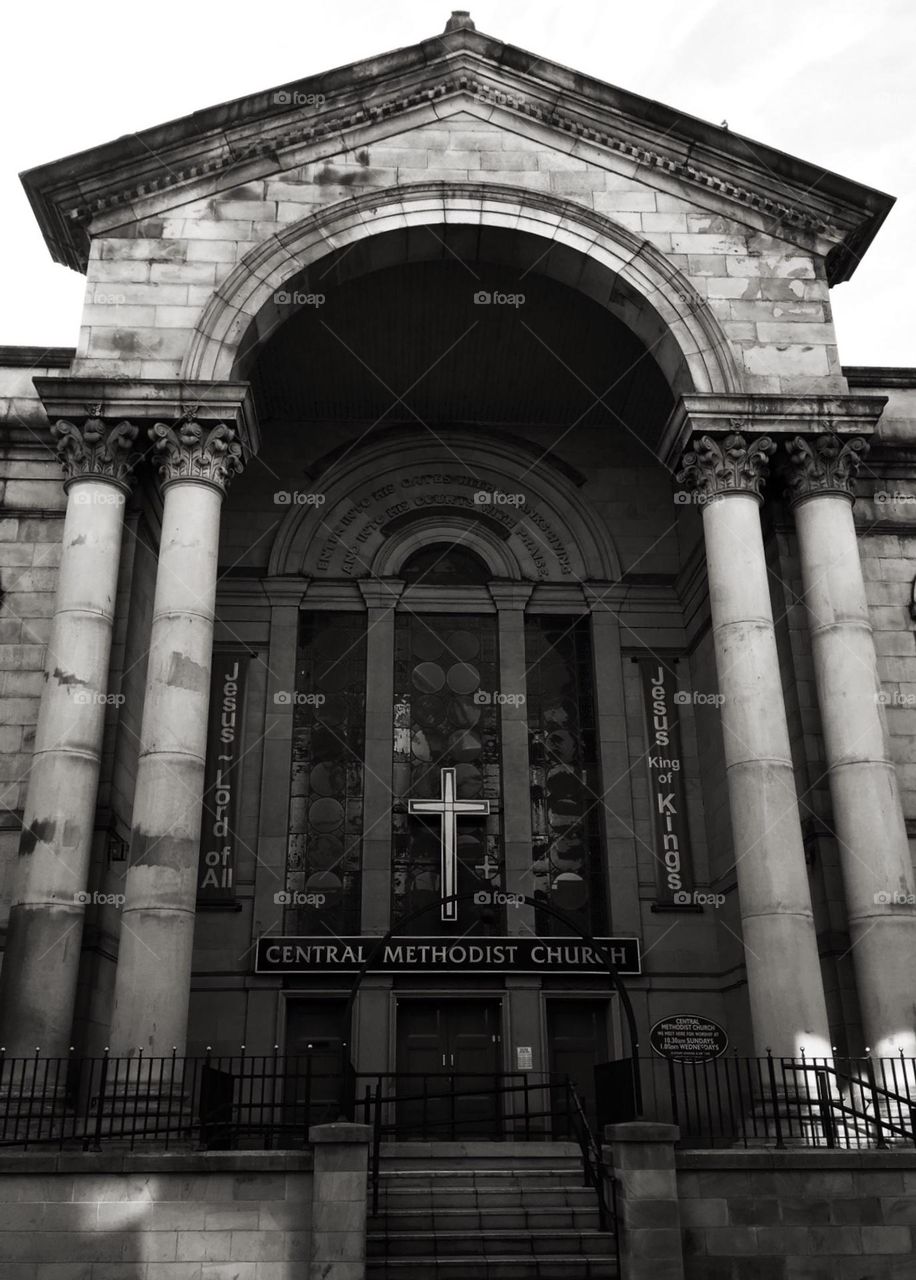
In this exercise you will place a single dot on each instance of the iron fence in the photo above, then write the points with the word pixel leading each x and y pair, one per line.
pixel 849 1103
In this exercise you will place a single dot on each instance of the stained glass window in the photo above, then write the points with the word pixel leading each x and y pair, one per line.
pixel 326 794
pixel 445 564
pixel 446 669
pixel 565 786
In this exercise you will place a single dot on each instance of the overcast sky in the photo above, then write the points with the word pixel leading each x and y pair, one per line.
pixel 831 81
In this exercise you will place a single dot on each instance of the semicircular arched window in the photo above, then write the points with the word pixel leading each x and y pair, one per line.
pixel 445 564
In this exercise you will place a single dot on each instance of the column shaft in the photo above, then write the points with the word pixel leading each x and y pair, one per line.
pixel 510 601
pixel 41 961
pixel 152 985
pixel 784 977
pixel 868 816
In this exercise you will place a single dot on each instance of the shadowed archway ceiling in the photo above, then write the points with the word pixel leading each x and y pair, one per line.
pixel 415 331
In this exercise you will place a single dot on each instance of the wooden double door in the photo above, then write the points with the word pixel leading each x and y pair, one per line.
pixel 448 1064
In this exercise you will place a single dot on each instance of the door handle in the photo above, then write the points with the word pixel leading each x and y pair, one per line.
pixel 452 1056
pixel 443 1059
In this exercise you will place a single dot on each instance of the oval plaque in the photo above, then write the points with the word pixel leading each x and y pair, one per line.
pixel 683 1037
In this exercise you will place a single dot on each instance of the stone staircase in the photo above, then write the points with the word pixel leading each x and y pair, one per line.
pixel 486 1211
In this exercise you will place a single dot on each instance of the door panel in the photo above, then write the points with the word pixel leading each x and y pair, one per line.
pixel 446 1051
pixel 577 1039
pixel 313 1037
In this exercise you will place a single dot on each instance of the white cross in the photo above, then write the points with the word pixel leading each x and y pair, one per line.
pixel 448 809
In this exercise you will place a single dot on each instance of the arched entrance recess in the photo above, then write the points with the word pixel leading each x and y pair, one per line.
pixel 582 249
pixel 347 1075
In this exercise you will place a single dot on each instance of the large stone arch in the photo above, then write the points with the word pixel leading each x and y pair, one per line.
pixel 383 497
pixel 582 249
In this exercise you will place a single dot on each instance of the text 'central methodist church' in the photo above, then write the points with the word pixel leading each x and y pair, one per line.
pixel 472 625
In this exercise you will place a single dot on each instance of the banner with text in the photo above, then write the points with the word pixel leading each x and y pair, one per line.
pixel 666 784
pixel 216 871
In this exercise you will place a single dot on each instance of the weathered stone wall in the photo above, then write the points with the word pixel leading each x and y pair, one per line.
pixel 148 282
pixel 776 1215
pixel 155 1217
pixel 32 504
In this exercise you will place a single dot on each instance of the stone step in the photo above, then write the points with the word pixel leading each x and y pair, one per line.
pixel 393 1200
pixel 530 1176
pixel 488 1244
pixel 469 1267
pixel 449 1156
pixel 486 1219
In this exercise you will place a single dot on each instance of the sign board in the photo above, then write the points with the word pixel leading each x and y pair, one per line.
pixel 685 1038
pixel 216 870
pixel 666 783
pixel 440 955
pixel 524 1057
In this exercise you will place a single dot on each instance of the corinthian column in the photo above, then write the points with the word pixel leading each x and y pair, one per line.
pixel 868 816
pixel 152 984
pixel 788 1011
pixel 41 962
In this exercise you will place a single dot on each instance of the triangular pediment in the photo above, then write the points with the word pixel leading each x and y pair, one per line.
pixel 462 72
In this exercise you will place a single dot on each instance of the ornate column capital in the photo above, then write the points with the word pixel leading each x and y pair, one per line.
pixel 823 464
pixel 717 467
pixel 196 451
pixel 96 449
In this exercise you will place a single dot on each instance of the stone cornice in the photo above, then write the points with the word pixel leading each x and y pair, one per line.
pixel 148 402
pixel 235 141
pixel 777 415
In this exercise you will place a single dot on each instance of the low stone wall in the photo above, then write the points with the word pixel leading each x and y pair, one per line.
pixel 772 1215
pixel 232 1215
pixel 760 1214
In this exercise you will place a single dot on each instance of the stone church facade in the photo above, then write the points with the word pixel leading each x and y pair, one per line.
pixel 452 419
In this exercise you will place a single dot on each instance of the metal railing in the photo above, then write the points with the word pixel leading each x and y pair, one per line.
pixel 845 1103
pixel 209 1102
